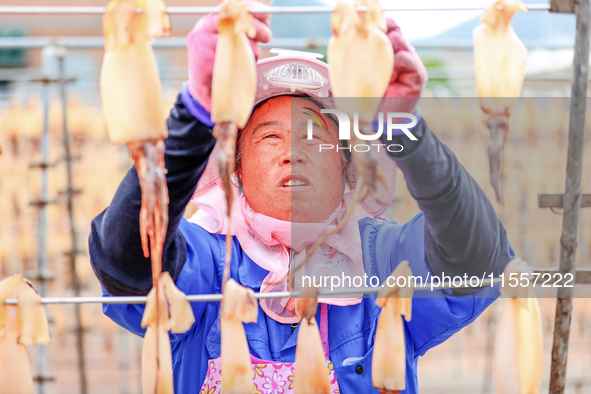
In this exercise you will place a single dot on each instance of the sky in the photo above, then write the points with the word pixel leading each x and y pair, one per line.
pixel 423 24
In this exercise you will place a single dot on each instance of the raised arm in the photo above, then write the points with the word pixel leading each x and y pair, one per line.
pixel 463 234
pixel 462 231
pixel 114 243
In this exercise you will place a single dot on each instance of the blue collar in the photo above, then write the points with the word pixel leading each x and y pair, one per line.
pixel 250 274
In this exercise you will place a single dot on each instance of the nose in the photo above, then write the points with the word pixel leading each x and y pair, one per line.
pixel 292 153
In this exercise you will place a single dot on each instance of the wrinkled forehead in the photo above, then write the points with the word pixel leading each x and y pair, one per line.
pixel 294 109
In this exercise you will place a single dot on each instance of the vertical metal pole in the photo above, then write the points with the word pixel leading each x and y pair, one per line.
pixel 74 241
pixel 42 233
pixel 491 322
pixel 124 352
pixel 572 196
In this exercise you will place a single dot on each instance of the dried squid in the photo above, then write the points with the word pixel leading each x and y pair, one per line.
pixel 232 94
pixel 499 62
pixel 389 350
pixel 238 306
pixel 358 35
pixel 311 375
pixel 519 345
pixel 355 36
pixel 20 325
pixel 166 310
pixel 132 102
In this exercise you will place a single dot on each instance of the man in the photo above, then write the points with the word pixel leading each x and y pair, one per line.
pixel 287 184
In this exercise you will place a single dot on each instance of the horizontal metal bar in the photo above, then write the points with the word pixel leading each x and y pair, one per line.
pixel 61 10
pixel 218 297
pixel 88 10
pixel 282 42
pixel 43 165
pixel 555 200
pixel 583 276
pixel 43 378
pixel 42 202
pixel 39 276
pixel 72 191
pixel 79 252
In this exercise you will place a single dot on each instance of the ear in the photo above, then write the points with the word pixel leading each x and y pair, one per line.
pixel 238 174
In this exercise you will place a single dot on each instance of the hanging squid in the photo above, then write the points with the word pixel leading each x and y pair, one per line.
pixel 358 88
pixel 20 325
pixel 232 94
pixel 166 310
pixel 311 374
pixel 132 102
pixel 360 35
pixel 519 344
pixel 239 306
pixel 499 64
pixel 389 351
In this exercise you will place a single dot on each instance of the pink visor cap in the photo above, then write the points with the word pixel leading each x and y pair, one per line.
pixel 292 73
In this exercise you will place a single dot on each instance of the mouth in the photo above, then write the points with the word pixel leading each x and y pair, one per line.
pixel 294 183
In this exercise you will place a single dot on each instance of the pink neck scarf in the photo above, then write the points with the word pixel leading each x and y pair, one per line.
pixel 275 244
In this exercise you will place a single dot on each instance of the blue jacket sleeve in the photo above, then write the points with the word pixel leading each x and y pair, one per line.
pixel 199 275
pixel 114 244
pixel 463 234
pixel 436 315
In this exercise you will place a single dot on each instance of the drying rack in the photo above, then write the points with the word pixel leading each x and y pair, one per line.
pixel 570 201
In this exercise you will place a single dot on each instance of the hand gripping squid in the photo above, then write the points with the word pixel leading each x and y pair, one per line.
pixel 20 325
pixel 519 345
pixel 358 88
pixel 239 306
pixel 232 94
pixel 311 374
pixel 360 35
pixel 389 350
pixel 499 62
pixel 132 102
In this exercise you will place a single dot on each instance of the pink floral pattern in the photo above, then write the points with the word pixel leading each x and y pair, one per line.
pixel 291 379
pixel 269 377
pixel 331 374
pixel 206 389
pixel 275 384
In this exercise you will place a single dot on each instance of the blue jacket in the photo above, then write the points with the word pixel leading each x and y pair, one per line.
pixel 457 232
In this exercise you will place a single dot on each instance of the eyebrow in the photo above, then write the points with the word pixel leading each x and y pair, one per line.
pixel 304 125
pixel 268 123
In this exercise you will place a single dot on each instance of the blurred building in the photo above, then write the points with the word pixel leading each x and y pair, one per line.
pixel 535 162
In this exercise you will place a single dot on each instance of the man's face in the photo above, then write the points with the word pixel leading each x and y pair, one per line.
pixel 283 173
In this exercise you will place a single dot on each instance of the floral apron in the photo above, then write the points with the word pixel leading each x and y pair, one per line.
pixel 271 377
